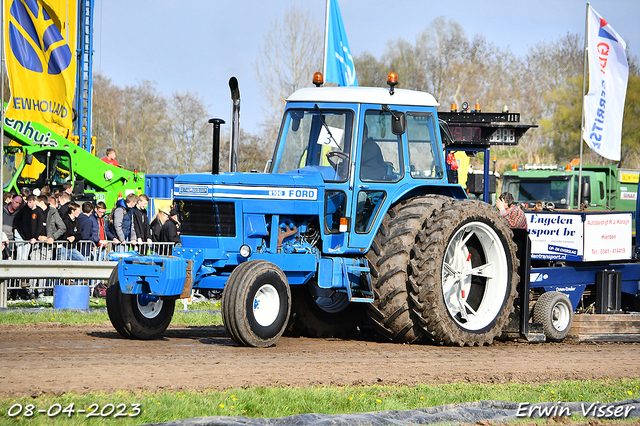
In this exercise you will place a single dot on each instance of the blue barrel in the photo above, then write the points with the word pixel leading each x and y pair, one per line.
pixel 70 297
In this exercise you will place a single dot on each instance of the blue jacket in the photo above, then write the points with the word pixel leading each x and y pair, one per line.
pixel 95 228
pixel 86 227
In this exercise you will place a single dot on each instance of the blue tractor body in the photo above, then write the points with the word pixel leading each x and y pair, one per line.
pixel 355 215
pixel 221 213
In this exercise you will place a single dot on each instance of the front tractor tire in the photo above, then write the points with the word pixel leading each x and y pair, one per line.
pixel 137 316
pixel 463 274
pixel 256 303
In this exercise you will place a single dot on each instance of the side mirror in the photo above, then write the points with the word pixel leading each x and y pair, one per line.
pixel 586 193
pixel 398 123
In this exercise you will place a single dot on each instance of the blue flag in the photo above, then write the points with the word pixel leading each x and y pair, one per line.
pixel 338 62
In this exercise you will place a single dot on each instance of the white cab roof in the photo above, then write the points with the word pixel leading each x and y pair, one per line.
pixel 363 95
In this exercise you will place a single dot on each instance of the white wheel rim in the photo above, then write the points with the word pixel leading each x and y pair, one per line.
pixel 266 305
pixel 560 316
pixel 151 309
pixel 457 274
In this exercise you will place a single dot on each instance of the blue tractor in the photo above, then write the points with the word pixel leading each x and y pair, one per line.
pixel 354 217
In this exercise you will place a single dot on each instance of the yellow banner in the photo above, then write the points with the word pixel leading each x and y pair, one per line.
pixel 40 45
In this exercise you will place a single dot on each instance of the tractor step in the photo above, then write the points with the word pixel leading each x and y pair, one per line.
pixel 362 290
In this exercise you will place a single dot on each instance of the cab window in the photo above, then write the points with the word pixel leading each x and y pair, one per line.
pixel 316 138
pixel 46 168
pixel 421 137
pixel 380 160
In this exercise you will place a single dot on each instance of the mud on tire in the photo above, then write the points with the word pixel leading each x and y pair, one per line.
pixel 463 274
pixel 389 261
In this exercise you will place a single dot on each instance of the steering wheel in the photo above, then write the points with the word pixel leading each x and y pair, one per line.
pixel 341 155
pixel 338 166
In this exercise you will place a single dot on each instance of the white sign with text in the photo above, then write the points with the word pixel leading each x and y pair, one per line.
pixel 607 236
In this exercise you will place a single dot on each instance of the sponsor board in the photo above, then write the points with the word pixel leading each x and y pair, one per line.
pixel 607 236
pixel 580 236
pixel 555 236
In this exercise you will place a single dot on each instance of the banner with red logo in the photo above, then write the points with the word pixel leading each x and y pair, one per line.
pixel 40 44
pixel 608 75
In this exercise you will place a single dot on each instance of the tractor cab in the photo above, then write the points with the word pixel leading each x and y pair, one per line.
pixel 372 147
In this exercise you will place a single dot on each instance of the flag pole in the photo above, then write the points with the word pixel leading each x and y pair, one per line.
pixel 584 88
pixel 326 39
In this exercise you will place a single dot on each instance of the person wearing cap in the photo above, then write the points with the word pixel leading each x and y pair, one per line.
pixel 169 232
pixel 158 221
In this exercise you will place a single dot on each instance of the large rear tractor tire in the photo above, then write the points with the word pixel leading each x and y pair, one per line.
pixel 256 303
pixel 554 311
pixel 389 261
pixel 137 316
pixel 323 316
pixel 463 274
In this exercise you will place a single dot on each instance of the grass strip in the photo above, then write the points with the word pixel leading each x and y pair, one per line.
pixel 283 401
pixel 197 314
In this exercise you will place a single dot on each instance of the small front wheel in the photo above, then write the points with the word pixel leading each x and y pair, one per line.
pixel 554 311
pixel 137 316
pixel 256 303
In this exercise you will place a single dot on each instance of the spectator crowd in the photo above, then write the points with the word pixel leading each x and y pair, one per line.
pixel 57 227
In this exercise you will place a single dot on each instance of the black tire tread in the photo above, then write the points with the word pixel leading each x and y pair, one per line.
pixel 113 300
pixel 543 312
pixel 121 309
pixel 234 298
pixel 389 259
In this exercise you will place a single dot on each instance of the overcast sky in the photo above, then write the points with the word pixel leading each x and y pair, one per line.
pixel 197 45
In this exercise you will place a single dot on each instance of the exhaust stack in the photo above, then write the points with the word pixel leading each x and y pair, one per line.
pixel 215 156
pixel 235 124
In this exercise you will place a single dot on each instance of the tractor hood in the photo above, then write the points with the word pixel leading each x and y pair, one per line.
pixel 304 184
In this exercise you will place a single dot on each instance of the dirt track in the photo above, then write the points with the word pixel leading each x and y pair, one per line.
pixel 57 358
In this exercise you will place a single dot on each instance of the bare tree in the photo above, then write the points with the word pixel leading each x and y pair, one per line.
pixel 453 68
pixel 189 133
pixel 132 120
pixel 286 62
pixel 106 113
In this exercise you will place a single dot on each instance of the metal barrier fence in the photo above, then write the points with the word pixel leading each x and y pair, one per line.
pixel 25 264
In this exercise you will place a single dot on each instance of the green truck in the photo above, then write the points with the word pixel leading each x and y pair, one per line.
pixel 549 187
pixel 35 156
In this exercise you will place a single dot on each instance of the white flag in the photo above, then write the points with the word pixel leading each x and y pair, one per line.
pixel 608 75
